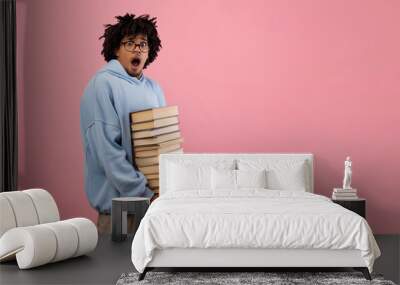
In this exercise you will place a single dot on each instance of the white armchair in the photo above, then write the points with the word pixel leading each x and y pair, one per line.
pixel 31 230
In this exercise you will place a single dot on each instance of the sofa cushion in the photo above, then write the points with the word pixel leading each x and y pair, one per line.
pixel 26 208
pixel 45 243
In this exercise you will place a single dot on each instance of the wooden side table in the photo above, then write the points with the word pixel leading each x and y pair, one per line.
pixel 358 205
pixel 119 215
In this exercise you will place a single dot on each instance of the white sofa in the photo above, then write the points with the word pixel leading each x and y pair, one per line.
pixel 31 231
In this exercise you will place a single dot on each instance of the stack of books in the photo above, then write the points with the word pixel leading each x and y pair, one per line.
pixel 344 194
pixel 154 131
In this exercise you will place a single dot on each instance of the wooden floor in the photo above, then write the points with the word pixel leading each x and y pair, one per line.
pixel 110 260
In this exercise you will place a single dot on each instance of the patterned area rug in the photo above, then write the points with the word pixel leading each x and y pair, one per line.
pixel 270 278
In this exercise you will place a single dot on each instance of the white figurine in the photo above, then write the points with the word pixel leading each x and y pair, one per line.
pixel 347 174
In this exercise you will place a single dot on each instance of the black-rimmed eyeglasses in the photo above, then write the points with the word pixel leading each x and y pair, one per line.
pixel 131 45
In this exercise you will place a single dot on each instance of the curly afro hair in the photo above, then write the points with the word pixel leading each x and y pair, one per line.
pixel 129 25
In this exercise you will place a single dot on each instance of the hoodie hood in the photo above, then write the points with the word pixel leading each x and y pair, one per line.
pixel 115 68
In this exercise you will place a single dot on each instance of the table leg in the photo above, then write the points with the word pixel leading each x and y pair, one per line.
pixel 124 219
pixel 116 221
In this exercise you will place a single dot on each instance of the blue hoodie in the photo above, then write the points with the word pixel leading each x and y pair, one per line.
pixel 109 97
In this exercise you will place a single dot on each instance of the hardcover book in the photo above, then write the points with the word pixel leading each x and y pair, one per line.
pixel 157 139
pixel 153 114
pixel 155 132
pixel 157 123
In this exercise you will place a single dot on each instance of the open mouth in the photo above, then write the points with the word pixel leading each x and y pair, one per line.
pixel 136 61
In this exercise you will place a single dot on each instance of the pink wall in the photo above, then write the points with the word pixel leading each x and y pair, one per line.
pixel 248 76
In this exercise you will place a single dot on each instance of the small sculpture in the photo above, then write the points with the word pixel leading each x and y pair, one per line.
pixel 347 174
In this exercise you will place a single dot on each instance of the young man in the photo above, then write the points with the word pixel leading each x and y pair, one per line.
pixel 118 88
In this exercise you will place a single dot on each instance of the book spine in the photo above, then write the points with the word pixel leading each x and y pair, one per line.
pixel 345 191
pixel 344 194
pixel 344 197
